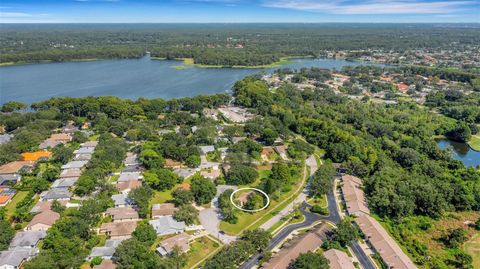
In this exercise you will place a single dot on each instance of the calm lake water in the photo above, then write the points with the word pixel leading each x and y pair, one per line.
pixel 461 151
pixel 130 78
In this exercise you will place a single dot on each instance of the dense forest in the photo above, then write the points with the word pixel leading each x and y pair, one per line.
pixel 219 44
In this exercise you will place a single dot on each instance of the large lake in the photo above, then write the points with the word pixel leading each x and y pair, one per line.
pixel 130 78
pixel 461 152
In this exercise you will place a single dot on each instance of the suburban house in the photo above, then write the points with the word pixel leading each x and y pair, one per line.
pixel 118 230
pixel 211 173
pixel 55 139
pixel 43 221
pixel 127 176
pixel 160 210
pixel 185 172
pixel 82 157
pixel 309 241
pixel 266 152
pixel 353 195
pixel 13 258
pixel 122 214
pixel 9 179
pixel 74 165
pixel 6 195
pixel 84 150
pixel 282 151
pixel 338 259
pixel 36 156
pixel 131 159
pixel 167 225
pixel 57 194
pixel 180 240
pixel 106 252
pixel 27 239
pixel 379 239
pixel 41 206
pixel 73 172
pixel 126 186
pixel 64 182
pixel 89 144
pixel 120 200
pixel 16 167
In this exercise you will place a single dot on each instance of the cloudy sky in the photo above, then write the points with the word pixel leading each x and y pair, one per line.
pixel 164 11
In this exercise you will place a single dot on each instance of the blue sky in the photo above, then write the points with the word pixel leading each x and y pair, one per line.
pixel 165 11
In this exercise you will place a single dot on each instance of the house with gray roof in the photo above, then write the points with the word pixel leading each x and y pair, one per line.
pixel 106 252
pixel 84 150
pixel 57 194
pixel 185 172
pixel 167 225
pixel 120 200
pixel 9 179
pixel 64 182
pixel 82 157
pixel 27 239
pixel 127 176
pixel 89 144
pixel 13 259
pixel 74 165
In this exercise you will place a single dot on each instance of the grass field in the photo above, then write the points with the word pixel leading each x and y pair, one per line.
pixel 160 197
pixel 15 200
pixel 474 142
pixel 472 247
pixel 199 249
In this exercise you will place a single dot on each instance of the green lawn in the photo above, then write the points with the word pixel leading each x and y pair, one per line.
pixel 160 197
pixel 474 142
pixel 472 247
pixel 253 221
pixel 16 199
pixel 318 201
pixel 201 248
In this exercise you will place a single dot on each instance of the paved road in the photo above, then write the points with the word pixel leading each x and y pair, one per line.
pixel 302 197
pixel 311 218
pixel 361 256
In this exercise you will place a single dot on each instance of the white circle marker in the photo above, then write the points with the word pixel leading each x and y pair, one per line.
pixel 249 210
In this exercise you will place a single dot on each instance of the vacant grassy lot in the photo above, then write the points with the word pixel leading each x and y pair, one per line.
pixel 15 200
pixel 200 249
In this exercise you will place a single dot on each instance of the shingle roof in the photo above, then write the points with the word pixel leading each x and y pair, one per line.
pixel 27 238
pixel 166 209
pixel 84 150
pixel 73 172
pixel 47 217
pixel 106 264
pixel 89 144
pixel 167 225
pixel 124 228
pixel 16 256
pixel 126 176
pixel 58 194
pixel 126 185
pixel 64 182
pixel 15 167
pixel 74 164
pixel 354 196
pixel 338 259
pixel 381 241
pixel 106 251
pixel 180 240
pixel 122 213
pixel 120 199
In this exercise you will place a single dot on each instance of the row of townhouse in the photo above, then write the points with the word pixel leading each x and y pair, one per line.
pixel 376 236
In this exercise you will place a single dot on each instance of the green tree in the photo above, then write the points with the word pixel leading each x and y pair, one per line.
pixel 182 197
pixel 145 233
pixel 345 233
pixel 151 159
pixel 454 238
pixel 132 253
pixel 193 161
pixel 13 106
pixel 141 197
pixel 240 174
pixel 203 189
pixel 258 238
pixel 322 181
pixel 309 260
pixel 6 234
pixel 160 179
pixel 186 213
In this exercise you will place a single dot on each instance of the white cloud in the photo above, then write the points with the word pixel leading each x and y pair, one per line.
pixel 372 6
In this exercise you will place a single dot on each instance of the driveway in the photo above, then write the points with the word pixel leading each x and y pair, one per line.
pixel 210 218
